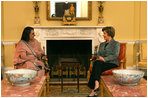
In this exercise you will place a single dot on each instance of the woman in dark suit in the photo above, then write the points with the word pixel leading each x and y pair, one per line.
pixel 106 59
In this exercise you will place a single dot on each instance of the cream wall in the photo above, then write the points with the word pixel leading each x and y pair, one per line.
pixel 128 17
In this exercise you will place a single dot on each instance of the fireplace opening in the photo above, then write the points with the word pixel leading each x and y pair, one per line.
pixel 69 50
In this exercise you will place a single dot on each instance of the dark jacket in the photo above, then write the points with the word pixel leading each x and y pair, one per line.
pixel 110 52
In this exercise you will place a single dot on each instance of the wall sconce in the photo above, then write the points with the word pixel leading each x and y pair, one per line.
pixel 36 9
pixel 100 8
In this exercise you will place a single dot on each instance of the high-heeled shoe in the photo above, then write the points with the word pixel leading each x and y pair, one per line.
pixel 97 89
pixel 95 95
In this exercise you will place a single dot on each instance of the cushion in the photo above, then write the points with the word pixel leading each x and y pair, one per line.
pixel 109 72
pixel 142 64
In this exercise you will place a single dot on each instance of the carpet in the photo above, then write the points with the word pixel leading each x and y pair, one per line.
pixel 69 91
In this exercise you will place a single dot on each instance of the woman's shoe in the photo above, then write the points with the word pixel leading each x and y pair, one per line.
pixel 95 95
pixel 97 89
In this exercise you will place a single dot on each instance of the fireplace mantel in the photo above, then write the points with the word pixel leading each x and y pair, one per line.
pixel 62 27
pixel 93 33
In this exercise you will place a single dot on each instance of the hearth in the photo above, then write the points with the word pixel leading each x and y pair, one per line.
pixel 68 50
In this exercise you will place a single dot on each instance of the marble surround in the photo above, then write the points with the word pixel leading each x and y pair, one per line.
pixel 94 33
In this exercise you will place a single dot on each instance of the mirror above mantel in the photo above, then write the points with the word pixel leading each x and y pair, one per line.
pixel 55 9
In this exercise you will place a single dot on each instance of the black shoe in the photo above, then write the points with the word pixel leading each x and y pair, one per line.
pixel 95 95
pixel 96 89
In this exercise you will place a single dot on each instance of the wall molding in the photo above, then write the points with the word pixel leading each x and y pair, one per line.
pixel 66 27
pixel 131 42
pixel 6 69
pixel 9 42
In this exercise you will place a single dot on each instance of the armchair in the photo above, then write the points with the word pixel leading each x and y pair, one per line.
pixel 121 60
pixel 141 57
pixel 46 72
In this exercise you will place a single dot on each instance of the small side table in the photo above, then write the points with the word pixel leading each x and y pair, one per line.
pixel 74 64
pixel 114 89
pixel 37 88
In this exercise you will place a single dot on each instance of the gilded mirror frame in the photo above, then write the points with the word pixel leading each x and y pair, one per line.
pixel 77 18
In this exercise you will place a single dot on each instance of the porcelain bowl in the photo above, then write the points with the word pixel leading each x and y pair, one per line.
pixel 21 77
pixel 127 77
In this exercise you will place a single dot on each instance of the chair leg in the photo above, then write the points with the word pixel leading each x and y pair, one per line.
pixel 101 88
pixel 47 80
pixel 88 75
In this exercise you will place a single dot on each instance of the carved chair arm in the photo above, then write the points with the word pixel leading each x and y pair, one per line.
pixel 122 62
pixel 91 61
pixel 46 59
pixel 92 58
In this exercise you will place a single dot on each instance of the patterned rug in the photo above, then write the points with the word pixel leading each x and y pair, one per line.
pixel 69 91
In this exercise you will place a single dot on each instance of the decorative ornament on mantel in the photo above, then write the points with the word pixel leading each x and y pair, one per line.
pixel 100 8
pixel 36 9
pixel 69 17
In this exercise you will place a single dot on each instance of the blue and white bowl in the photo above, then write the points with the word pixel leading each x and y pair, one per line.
pixel 127 77
pixel 21 77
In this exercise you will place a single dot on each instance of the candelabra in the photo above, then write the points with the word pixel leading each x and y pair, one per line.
pixel 36 9
pixel 100 8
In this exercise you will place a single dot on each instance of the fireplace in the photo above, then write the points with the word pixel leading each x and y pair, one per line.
pixel 70 50
pixel 69 43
